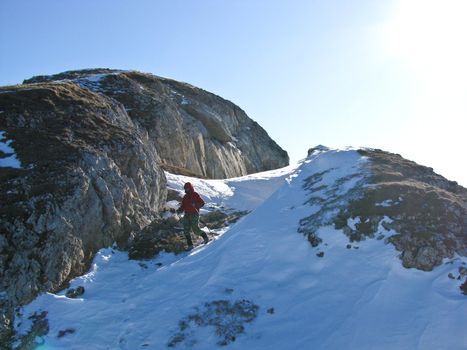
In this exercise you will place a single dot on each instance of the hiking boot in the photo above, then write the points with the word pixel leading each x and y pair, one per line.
pixel 189 242
pixel 205 238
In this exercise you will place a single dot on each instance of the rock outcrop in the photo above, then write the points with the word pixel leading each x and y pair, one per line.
pixel 82 155
pixel 88 176
pixel 195 132
pixel 426 213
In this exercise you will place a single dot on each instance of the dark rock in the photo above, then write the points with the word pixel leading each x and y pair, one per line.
pixel 160 235
pixel 75 293
pixel 319 148
pixel 462 271
pixel 312 238
pixel 451 276
pixel 463 287
pixel 228 320
pixel 349 246
pixel 64 332
pixel 218 219
pixel 6 331
pixel 173 195
pixel 320 254
pixel 271 311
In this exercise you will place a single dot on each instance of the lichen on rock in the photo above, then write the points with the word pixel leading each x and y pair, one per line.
pixel 226 318
pixel 427 212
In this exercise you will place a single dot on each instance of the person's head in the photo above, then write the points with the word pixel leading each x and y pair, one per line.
pixel 188 187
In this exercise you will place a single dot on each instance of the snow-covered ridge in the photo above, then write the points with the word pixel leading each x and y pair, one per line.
pixel 296 296
pixel 241 193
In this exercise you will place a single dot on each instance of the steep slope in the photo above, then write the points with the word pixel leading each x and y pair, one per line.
pixel 195 132
pixel 263 286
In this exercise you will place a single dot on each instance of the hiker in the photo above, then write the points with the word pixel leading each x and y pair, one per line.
pixel 191 205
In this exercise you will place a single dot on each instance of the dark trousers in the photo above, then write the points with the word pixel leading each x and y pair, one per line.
pixel 191 223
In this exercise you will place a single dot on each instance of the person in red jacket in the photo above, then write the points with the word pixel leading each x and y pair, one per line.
pixel 191 204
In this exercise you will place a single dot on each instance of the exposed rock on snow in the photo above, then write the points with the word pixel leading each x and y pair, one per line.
pixel 74 293
pixel 226 318
pixel 160 235
pixel 427 212
pixel 218 219
pixel 463 287
pixel 39 326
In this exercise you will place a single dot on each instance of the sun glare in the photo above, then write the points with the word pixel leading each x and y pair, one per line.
pixel 428 39
pixel 430 35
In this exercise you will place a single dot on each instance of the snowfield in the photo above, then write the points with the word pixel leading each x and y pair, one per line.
pixel 261 285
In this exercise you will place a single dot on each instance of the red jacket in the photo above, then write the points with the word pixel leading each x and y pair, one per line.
pixel 191 202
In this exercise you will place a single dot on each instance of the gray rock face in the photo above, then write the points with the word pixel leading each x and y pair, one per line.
pixel 195 132
pixel 89 176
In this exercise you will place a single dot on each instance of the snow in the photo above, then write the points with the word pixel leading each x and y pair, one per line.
pixel 386 203
pixel 241 193
pixel 348 299
pixel 351 222
pixel 95 78
pixel 11 160
pixel 93 81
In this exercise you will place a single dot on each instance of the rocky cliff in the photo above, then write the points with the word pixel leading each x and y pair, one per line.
pixel 86 176
pixel 195 132
pixel 82 156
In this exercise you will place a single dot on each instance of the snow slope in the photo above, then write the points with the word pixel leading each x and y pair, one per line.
pixel 348 299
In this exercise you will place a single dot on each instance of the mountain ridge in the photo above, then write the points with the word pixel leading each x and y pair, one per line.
pixel 180 109
pixel 262 285
pixel 84 161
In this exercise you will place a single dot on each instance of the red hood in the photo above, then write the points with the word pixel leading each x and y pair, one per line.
pixel 188 186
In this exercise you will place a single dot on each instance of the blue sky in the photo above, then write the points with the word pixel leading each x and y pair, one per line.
pixel 387 74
